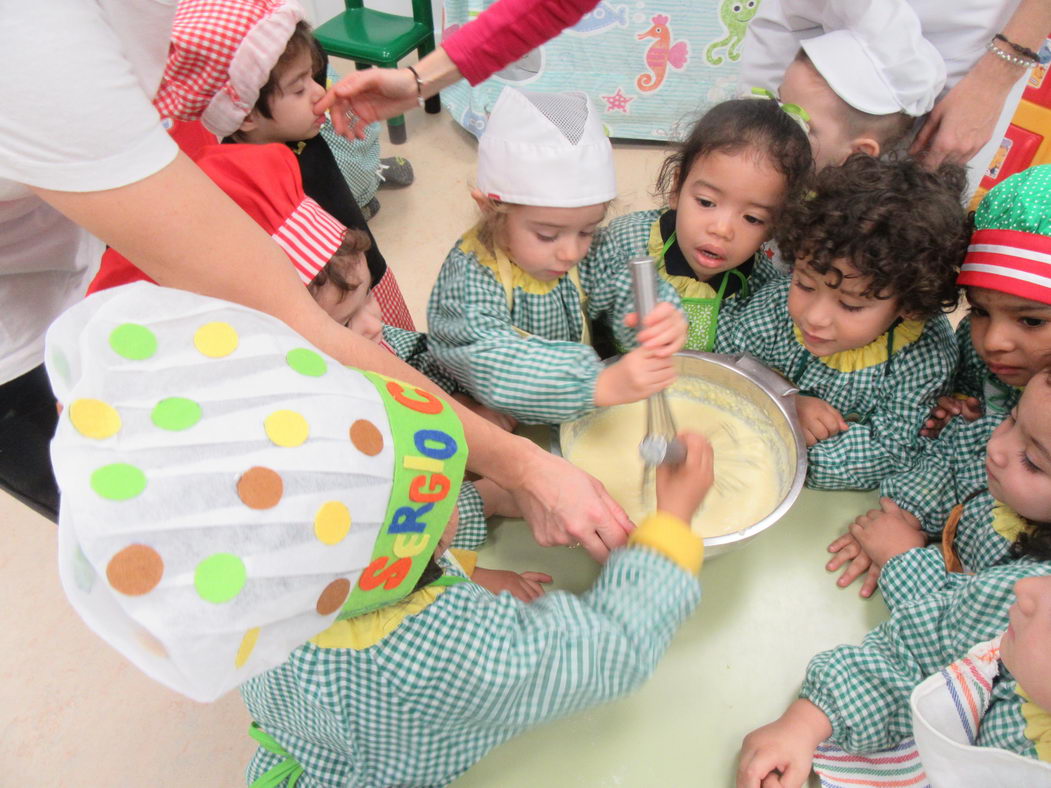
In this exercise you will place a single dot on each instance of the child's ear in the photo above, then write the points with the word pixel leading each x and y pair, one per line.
pixel 866 145
pixel 485 205
pixel 250 123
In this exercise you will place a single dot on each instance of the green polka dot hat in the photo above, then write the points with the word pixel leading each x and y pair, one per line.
pixel 1010 250
pixel 228 491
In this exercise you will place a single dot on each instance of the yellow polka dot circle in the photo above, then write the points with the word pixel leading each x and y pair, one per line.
pixel 332 522
pixel 216 340
pixel 286 428
pixel 94 418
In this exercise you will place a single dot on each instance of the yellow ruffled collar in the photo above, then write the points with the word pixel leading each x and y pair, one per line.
pixel 500 261
pixel 1007 522
pixel 685 286
pixel 875 352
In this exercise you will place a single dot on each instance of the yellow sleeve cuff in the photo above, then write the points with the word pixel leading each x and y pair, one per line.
pixel 467 559
pixel 672 538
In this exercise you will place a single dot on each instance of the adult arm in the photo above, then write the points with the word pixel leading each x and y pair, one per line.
pixel 184 232
pixel 964 119
pixel 500 35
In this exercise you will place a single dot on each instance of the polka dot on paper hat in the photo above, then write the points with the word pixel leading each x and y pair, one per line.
pixel 1010 250
pixel 222 481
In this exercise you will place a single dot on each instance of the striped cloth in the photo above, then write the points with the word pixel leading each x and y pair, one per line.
pixel 309 236
pixel 885 400
pixel 960 695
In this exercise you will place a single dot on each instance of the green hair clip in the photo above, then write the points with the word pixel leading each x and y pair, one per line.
pixel 794 111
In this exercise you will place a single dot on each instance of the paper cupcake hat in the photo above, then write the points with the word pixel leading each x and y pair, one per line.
pixel 1010 250
pixel 221 54
pixel 545 149
pixel 228 491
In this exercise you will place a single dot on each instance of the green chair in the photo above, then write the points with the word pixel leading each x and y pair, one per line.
pixel 374 38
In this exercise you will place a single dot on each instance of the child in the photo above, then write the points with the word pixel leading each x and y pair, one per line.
pixel 864 78
pixel 725 186
pixel 232 534
pixel 509 313
pixel 858 696
pixel 1007 330
pixel 1006 336
pixel 252 72
pixel 858 327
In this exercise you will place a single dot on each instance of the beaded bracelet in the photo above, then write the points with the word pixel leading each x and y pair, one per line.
pixel 1018 48
pixel 1013 59
pixel 419 85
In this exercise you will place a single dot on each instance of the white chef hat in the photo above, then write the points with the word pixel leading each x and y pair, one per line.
pixel 880 62
pixel 228 491
pixel 545 149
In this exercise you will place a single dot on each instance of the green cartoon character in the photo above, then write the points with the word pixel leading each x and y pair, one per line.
pixel 735 16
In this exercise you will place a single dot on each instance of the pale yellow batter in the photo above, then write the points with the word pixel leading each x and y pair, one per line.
pixel 746 486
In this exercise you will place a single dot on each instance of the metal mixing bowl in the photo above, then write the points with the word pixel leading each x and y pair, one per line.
pixel 742 386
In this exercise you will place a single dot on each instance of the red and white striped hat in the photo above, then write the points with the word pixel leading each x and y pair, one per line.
pixel 221 54
pixel 265 181
pixel 1011 249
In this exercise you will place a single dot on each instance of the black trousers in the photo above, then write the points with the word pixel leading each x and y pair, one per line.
pixel 27 423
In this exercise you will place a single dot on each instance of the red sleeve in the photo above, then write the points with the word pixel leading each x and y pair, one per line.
pixel 507 30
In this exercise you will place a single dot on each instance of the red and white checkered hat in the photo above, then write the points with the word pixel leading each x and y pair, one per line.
pixel 265 181
pixel 221 54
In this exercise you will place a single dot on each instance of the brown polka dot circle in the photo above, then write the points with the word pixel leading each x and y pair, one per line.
pixel 334 595
pixel 260 488
pixel 366 437
pixel 135 570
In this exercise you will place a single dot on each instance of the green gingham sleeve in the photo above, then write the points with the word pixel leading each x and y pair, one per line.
pixel 864 690
pixel 413 348
pixel 606 277
pixel 471 531
pixel 916 574
pixel 536 380
pixel 890 440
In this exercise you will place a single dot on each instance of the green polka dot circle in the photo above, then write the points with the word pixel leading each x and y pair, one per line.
pixel 118 481
pixel 306 362
pixel 176 413
pixel 133 341
pixel 220 577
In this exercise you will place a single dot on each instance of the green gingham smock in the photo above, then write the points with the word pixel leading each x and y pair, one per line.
pixel 645 233
pixel 465 674
pixel 540 373
pixel 884 403
pixel 864 690
pixel 974 379
pixel 952 472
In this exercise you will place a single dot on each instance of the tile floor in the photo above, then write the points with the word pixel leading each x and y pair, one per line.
pixel 72 712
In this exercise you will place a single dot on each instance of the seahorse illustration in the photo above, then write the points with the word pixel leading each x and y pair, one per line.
pixel 735 16
pixel 661 54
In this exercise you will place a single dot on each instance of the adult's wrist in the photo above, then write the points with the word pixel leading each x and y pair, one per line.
pixel 436 71
pixel 996 73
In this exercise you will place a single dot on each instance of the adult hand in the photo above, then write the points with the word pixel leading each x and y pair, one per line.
pixel 565 506
pixel 364 97
pixel 963 121
pixel 848 551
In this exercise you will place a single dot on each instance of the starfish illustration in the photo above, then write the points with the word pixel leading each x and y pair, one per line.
pixel 618 102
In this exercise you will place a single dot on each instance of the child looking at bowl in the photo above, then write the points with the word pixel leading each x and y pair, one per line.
pixel 240 509
pixel 858 697
pixel 1004 340
pixel 509 314
pixel 859 326
pixel 725 187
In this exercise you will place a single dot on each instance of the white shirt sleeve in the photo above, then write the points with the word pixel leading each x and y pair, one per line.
pixel 76 95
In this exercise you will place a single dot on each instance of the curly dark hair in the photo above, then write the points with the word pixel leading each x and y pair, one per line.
pixel 897 223
pixel 737 125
